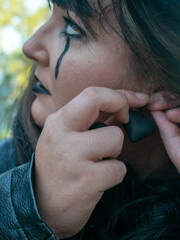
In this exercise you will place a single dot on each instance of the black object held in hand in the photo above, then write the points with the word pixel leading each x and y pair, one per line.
pixel 140 125
pixel 97 125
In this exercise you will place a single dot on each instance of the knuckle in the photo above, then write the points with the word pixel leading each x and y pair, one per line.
pixel 66 110
pixel 49 127
pixel 49 133
pixel 49 119
pixel 49 122
pixel 124 95
pixel 91 92
pixel 124 99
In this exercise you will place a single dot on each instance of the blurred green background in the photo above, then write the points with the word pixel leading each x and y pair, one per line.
pixel 18 20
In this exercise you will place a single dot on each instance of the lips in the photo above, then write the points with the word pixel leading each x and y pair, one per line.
pixel 39 88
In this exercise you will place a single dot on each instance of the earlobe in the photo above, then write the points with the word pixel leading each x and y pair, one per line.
pixel 157 102
pixel 162 101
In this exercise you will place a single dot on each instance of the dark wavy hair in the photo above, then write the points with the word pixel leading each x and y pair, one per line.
pixel 133 210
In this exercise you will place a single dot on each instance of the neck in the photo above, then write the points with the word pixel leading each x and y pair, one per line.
pixel 146 156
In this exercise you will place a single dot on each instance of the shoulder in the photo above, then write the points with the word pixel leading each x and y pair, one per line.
pixel 8 156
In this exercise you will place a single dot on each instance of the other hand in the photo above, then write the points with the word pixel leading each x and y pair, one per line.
pixel 167 116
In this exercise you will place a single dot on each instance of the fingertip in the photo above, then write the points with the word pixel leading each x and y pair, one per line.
pixel 173 115
pixel 142 96
pixel 120 172
pixel 123 169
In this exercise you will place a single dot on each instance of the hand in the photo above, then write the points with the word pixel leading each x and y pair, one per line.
pixel 70 176
pixel 167 122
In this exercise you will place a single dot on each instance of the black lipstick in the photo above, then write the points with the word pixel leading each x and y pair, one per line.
pixel 39 88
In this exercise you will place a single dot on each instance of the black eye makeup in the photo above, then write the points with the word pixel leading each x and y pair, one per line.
pixel 61 57
pixel 71 31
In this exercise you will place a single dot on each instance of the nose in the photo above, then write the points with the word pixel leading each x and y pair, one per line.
pixel 36 49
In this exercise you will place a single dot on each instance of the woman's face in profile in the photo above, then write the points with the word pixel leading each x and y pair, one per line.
pixel 68 59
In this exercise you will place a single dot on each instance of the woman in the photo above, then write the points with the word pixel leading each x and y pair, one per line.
pixel 95 61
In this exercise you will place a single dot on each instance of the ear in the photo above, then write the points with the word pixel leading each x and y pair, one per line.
pixel 162 101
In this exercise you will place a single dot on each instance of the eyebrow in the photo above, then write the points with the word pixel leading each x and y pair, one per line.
pixel 82 11
pixel 60 3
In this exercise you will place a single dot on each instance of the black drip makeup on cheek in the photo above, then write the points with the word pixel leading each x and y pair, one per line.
pixel 61 57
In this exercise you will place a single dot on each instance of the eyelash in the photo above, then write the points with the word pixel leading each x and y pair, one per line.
pixel 69 22
pixel 75 27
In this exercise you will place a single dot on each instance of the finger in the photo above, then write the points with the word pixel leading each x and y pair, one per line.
pixel 173 115
pixel 80 113
pixel 105 142
pixel 114 120
pixel 111 121
pixel 166 128
pixel 135 99
pixel 170 134
pixel 108 174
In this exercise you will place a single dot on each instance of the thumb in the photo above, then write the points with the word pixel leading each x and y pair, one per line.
pixel 170 134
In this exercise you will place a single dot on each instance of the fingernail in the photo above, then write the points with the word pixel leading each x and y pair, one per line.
pixel 142 96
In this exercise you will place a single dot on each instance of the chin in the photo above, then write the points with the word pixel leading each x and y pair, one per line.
pixel 40 110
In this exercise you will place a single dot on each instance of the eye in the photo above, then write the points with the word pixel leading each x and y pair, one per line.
pixel 72 29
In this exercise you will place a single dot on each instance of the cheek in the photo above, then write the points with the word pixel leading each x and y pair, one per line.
pixel 79 71
pixel 75 79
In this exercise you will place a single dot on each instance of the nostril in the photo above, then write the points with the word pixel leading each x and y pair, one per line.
pixel 41 56
pixel 36 52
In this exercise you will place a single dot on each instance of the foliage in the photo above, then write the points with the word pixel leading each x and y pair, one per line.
pixel 14 67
